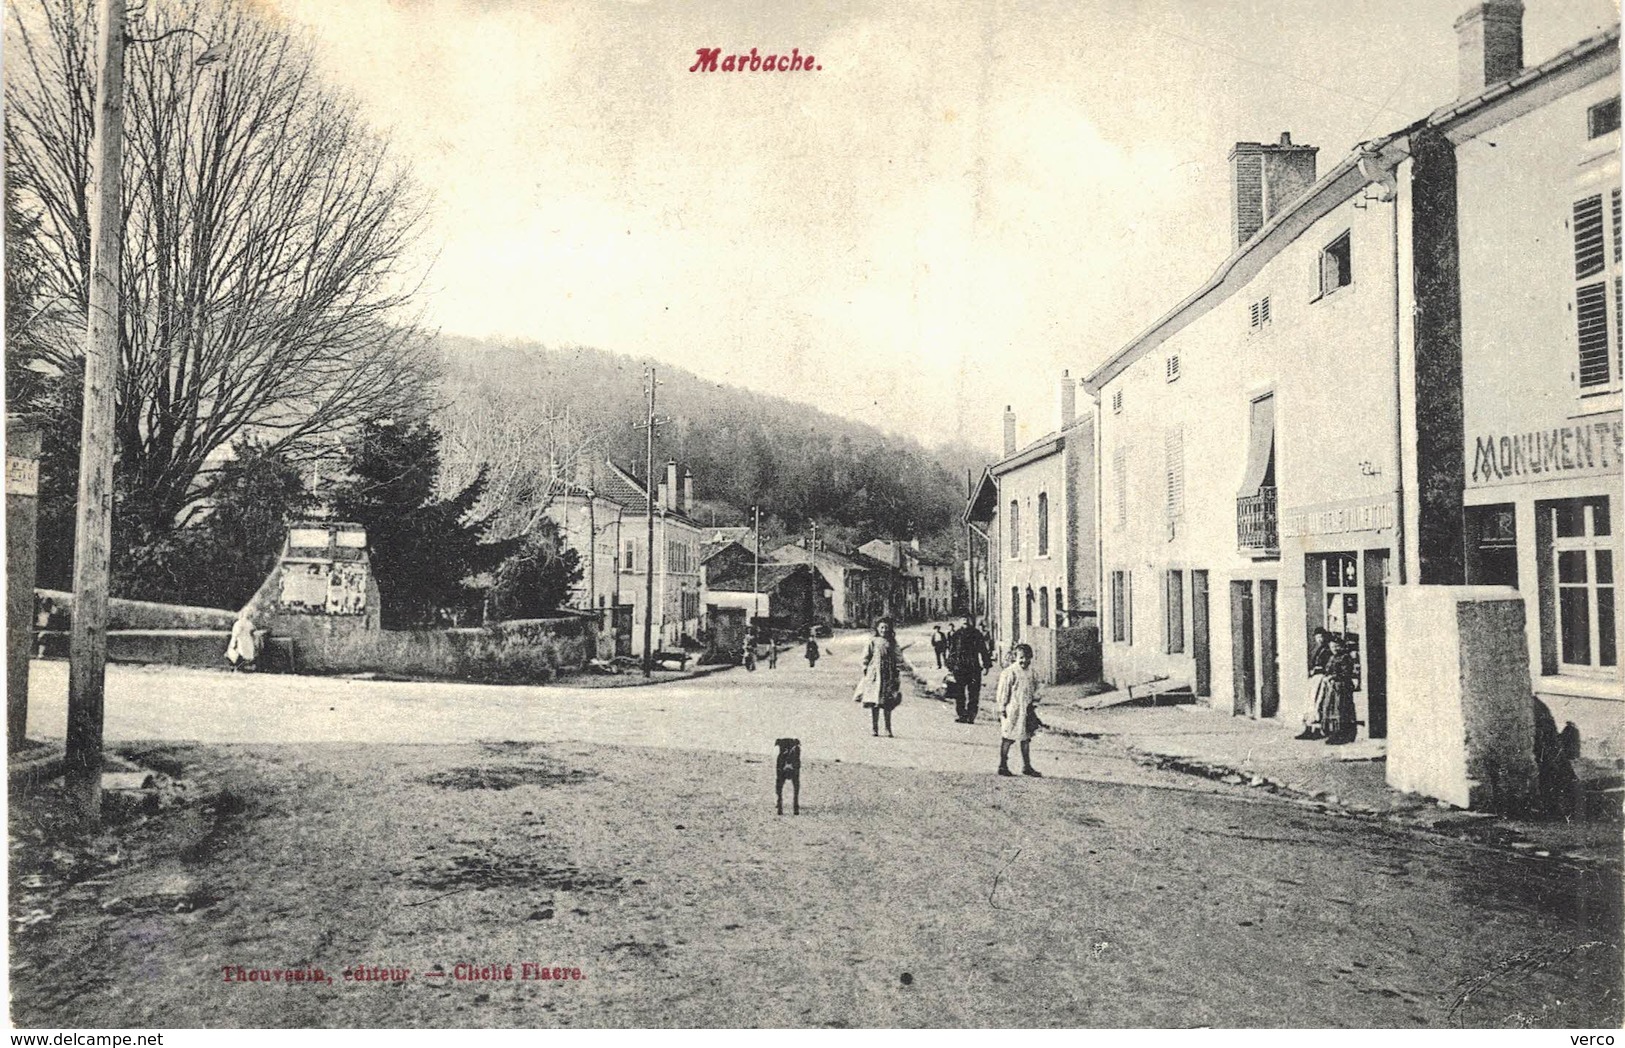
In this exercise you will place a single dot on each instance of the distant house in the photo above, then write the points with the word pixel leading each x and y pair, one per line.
pixel 676 607
pixel 930 592
pixel 863 589
pixel 591 523
pixel 794 596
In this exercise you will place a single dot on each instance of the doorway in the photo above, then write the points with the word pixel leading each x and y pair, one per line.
pixel 1269 671
pixel 1199 635
pixel 1242 649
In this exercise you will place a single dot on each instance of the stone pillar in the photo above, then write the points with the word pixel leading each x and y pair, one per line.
pixel 1460 718
pixel 22 510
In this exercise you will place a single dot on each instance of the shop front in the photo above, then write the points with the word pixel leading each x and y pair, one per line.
pixel 1337 563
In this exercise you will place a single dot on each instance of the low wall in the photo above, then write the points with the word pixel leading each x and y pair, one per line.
pixel 527 652
pixel 147 615
pixel 1460 721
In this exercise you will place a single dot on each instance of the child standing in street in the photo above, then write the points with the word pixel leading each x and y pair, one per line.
pixel 1018 699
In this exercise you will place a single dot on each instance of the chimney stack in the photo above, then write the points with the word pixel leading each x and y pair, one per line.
pixel 1264 179
pixel 668 490
pixel 688 491
pixel 1489 41
pixel 1009 431
pixel 1069 400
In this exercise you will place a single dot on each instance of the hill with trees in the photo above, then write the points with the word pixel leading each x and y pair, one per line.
pixel 529 412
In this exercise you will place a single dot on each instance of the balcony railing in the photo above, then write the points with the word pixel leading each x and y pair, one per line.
pixel 1255 522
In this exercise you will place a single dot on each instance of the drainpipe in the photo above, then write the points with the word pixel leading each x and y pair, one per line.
pixel 1381 174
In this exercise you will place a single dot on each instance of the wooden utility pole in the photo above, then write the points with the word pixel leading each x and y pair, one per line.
pixel 649 567
pixel 87 651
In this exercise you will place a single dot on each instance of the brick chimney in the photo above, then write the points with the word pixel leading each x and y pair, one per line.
pixel 1069 400
pixel 1009 431
pixel 688 491
pixel 668 488
pixel 1489 41
pixel 1264 179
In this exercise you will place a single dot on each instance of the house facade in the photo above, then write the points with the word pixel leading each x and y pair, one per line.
pixel 1035 511
pixel 675 612
pixel 928 586
pixel 1380 388
pixel 795 596
pixel 862 589
pixel 1537 185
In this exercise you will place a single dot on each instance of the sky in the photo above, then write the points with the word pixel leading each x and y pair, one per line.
pixel 966 198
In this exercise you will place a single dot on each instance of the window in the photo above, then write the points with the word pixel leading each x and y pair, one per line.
pixel 1015 614
pixel 1173 452
pixel 1043 605
pixel 1595 265
pixel 1015 529
pixel 1117 401
pixel 1060 609
pixel 1120 482
pixel 1336 265
pixel 1170 368
pixel 1602 118
pixel 1122 598
pixel 1174 608
pixel 629 555
pixel 1029 605
pixel 1583 562
pixel 1043 524
pixel 1259 314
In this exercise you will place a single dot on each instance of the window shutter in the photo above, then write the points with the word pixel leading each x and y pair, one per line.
pixel 1615 207
pixel 1255 320
pixel 1589 256
pixel 1264 310
pixel 1174 474
pixel 1120 478
pixel 1591 317
pixel 1117 400
pixel 1171 367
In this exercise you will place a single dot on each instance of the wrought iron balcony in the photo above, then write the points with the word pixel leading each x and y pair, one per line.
pixel 1255 522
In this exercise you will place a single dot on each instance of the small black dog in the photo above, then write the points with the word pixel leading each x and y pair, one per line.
pixel 789 770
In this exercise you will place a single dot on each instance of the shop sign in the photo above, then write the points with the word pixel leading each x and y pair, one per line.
pixel 1579 448
pixel 1338 518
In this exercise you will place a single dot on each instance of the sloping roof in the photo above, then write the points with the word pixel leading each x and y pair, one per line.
pixel 620 486
pixel 711 549
pixel 1341 182
pixel 772 576
pixel 984 500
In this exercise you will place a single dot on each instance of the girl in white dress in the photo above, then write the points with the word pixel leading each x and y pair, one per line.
pixel 1018 695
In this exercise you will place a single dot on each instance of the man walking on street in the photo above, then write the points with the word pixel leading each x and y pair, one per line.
pixel 939 644
pixel 968 656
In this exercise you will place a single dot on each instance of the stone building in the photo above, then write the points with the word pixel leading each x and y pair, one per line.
pixel 676 609
pixel 1358 397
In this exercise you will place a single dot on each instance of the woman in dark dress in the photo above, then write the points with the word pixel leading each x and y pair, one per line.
pixel 1316 699
pixel 1338 720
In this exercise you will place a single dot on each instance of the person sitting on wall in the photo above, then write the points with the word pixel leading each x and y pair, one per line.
pixel 243 651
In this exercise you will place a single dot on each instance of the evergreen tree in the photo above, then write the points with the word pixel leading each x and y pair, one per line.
pixel 537 579
pixel 425 550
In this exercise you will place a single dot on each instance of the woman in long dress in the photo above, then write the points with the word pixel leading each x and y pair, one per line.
pixel 881 688
pixel 1018 696
pixel 1339 720
pixel 1319 691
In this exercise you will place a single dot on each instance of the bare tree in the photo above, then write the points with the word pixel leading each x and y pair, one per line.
pixel 530 448
pixel 267 271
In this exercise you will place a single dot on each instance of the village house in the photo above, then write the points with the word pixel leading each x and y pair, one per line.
pixel 1036 509
pixel 929 593
pixel 862 589
pixel 676 613
pixel 591 523
pixel 1354 400
pixel 793 597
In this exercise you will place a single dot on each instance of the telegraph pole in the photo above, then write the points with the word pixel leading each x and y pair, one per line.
pixel 87 652
pixel 649 492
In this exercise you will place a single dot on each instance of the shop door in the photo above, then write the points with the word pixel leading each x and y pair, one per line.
pixel 1343 600
pixel 1199 635
pixel 1376 643
pixel 621 623
pixel 1244 675
pixel 1269 674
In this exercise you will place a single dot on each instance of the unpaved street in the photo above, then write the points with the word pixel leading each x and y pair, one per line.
pixel 630 834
